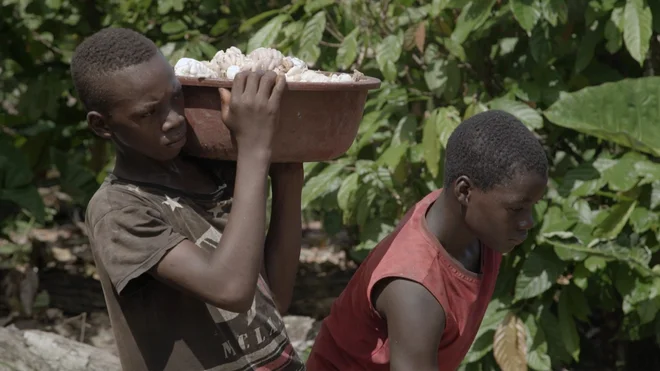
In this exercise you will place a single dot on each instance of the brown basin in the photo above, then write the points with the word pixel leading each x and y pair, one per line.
pixel 318 121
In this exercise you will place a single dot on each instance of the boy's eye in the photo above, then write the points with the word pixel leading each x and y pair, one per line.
pixel 148 112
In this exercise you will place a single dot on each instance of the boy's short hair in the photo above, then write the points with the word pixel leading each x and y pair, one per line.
pixel 105 52
pixel 491 148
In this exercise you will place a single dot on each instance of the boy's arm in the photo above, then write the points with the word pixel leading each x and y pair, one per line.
pixel 282 252
pixel 227 277
pixel 415 322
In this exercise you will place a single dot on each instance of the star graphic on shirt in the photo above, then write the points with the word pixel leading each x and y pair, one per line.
pixel 217 209
pixel 134 188
pixel 173 203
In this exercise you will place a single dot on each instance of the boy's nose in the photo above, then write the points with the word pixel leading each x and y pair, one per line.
pixel 174 121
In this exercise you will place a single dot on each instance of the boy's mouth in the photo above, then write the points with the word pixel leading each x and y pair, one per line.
pixel 178 139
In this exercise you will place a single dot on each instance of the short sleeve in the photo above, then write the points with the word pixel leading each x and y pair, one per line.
pixel 130 241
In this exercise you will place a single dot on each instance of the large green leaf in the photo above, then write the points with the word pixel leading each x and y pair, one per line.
pixel 625 112
pixel 323 183
pixel 537 345
pixel 567 327
pixel 528 115
pixel 447 120
pixel 267 35
pixel 526 13
pixel 539 272
pixel 387 53
pixel 431 144
pixel 436 76
pixel 473 15
pixel 348 50
pixel 617 218
pixel 26 197
pixel 312 35
pixel 637 28
pixel 346 196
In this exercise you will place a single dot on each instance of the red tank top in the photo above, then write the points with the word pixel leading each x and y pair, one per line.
pixel 354 335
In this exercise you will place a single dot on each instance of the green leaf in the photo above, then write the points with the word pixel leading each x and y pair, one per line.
pixel 267 35
pixel 620 112
pixel 642 219
pixel 540 45
pixel 616 219
pixel 405 130
pixel 528 115
pixel 577 302
pixel 637 29
pixel 454 48
pixel 346 196
pixel 453 85
pixel 595 263
pixel 495 313
pixel 14 166
pixel 173 27
pixel 438 6
pixel 431 145
pixel 591 38
pixel 393 155
pixel 567 328
pixel 550 325
pixel 447 120
pixel 473 15
pixel 479 348
pixel 655 195
pixel 555 10
pixel 473 109
pixel 649 171
pixel 537 354
pixel 437 76
pixel 323 183
pixel 387 54
pixel 312 35
pixel 526 13
pixel 554 221
pixel 28 198
pixel 348 50
pixel 76 180
pixel 539 273
pixel 313 5
pixel 220 27
pixel 249 23
pixel 614 30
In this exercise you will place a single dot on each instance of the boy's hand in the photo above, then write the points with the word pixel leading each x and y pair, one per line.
pixel 251 110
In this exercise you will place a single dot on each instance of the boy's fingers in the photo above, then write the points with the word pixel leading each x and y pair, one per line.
pixel 278 90
pixel 238 85
pixel 252 83
pixel 266 85
pixel 225 99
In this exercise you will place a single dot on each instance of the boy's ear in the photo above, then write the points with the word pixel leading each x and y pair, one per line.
pixel 462 189
pixel 98 123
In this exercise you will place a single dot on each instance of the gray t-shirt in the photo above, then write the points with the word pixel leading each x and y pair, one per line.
pixel 156 326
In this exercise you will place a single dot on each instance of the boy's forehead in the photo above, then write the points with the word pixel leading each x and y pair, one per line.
pixel 150 78
pixel 522 187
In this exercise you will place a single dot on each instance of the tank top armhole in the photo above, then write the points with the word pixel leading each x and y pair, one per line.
pixel 390 274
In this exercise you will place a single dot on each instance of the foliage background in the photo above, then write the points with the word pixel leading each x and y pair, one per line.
pixel 582 293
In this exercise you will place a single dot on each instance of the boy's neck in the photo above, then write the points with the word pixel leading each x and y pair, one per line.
pixel 445 221
pixel 177 173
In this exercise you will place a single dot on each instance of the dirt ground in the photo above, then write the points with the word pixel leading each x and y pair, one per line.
pixel 67 298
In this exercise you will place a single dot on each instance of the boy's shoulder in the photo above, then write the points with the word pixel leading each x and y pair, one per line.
pixel 112 196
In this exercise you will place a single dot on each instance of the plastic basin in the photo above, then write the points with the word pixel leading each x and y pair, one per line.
pixel 318 121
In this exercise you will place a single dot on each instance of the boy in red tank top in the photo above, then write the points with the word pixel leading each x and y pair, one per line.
pixel 418 299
